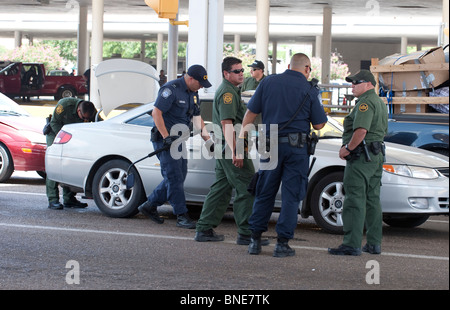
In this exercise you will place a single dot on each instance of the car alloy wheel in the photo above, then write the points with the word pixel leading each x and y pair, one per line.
pixel 327 202
pixel 110 190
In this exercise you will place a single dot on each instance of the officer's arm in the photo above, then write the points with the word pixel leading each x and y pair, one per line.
pixel 159 122
pixel 358 136
pixel 228 132
pixel 249 118
pixel 319 126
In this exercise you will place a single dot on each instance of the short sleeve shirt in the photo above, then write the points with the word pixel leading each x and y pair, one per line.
pixel 65 113
pixel 251 83
pixel 278 97
pixel 228 104
pixel 369 113
pixel 177 103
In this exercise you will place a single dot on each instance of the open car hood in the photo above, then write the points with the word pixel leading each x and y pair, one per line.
pixel 123 81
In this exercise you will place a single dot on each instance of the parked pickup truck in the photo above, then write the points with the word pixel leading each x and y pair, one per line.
pixel 29 79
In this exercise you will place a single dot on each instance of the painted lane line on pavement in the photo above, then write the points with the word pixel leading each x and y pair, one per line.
pixel 108 232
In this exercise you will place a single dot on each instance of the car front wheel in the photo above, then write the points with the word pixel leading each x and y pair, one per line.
pixel 110 190
pixel 6 164
pixel 327 201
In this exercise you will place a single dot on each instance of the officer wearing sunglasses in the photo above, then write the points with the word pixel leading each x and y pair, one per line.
pixel 231 173
pixel 257 75
pixel 364 129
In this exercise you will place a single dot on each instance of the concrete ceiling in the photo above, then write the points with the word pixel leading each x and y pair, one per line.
pixel 291 20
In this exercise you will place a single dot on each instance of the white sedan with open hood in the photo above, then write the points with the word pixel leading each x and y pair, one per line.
pixel 94 158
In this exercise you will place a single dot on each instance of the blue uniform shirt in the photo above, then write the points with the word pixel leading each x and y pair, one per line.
pixel 289 87
pixel 177 103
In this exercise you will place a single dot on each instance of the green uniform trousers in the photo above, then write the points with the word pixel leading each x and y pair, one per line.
pixel 51 186
pixel 218 199
pixel 362 181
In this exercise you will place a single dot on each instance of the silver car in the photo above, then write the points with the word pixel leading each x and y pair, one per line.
pixel 93 158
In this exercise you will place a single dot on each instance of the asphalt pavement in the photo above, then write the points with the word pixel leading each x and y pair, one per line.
pixel 85 250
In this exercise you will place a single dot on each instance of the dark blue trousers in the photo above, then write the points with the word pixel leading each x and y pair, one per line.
pixel 291 173
pixel 174 172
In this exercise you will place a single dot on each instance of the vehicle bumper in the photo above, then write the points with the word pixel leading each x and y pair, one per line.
pixel 416 198
pixel 28 156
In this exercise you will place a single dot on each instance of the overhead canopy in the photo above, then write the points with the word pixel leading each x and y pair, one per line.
pixel 123 81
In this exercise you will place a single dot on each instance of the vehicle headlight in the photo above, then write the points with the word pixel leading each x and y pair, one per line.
pixel 412 171
pixel 34 137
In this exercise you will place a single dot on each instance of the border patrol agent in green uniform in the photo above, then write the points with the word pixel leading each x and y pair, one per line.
pixel 257 73
pixel 228 110
pixel 363 148
pixel 67 111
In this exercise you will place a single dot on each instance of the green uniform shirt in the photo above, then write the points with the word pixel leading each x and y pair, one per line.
pixel 65 113
pixel 228 104
pixel 369 113
pixel 251 83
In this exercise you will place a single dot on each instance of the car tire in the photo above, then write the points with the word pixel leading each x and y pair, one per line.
pixel 406 222
pixel 65 92
pixel 6 163
pixel 327 201
pixel 110 193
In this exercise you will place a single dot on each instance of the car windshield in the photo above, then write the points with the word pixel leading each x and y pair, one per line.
pixel 9 107
pixel 332 129
pixel 145 119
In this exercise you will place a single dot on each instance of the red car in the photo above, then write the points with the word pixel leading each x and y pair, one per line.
pixel 22 144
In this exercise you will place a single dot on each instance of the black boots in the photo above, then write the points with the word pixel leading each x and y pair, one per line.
pixel 282 249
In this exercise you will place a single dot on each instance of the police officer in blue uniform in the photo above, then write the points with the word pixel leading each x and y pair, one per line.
pixel 177 103
pixel 278 98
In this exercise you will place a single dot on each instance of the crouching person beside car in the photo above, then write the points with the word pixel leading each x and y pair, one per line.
pixel 175 106
pixel 67 111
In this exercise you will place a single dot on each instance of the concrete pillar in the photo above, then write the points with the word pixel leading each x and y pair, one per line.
pixel 82 40
pixel 318 47
pixel 445 23
pixel 205 43
pixel 274 57
pixel 262 32
pixel 326 44
pixel 159 52
pixel 237 44
pixel 17 38
pixel 97 47
pixel 404 45
pixel 172 55
pixel 215 19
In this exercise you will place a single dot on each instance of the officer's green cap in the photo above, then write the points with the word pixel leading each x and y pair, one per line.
pixel 361 77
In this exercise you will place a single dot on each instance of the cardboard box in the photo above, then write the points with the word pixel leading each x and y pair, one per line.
pixel 405 81
pixel 411 108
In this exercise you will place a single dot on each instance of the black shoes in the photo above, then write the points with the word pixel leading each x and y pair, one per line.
pixel 254 248
pixel 282 249
pixel 55 205
pixel 246 239
pixel 75 204
pixel 344 250
pixel 372 249
pixel 208 235
pixel 184 221
pixel 150 211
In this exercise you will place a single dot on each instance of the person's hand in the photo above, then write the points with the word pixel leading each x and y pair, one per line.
pixel 169 140
pixel 209 145
pixel 238 161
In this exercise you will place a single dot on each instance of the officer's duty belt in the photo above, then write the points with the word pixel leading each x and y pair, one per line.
pixel 297 139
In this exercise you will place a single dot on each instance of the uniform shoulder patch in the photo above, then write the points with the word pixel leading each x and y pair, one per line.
pixel 228 98
pixel 59 109
pixel 166 93
pixel 363 107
